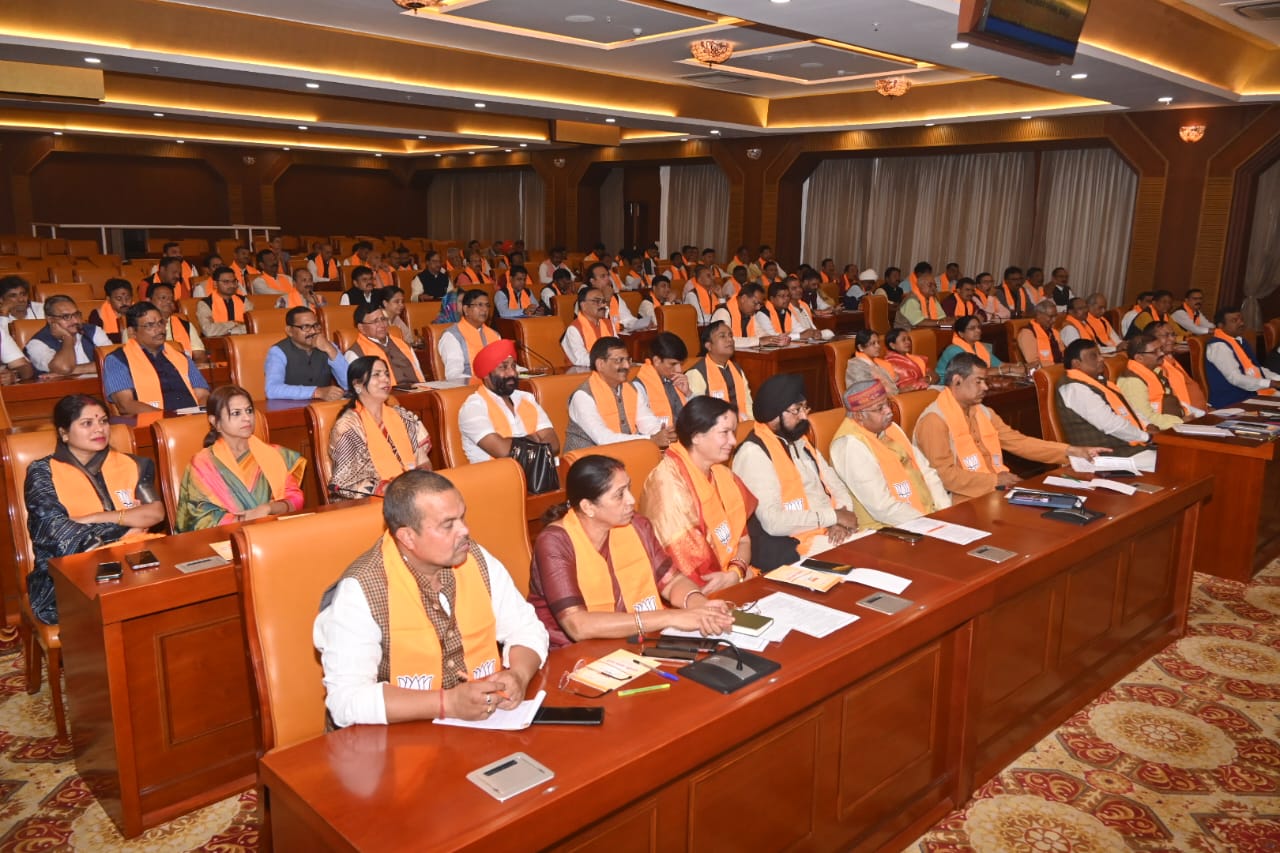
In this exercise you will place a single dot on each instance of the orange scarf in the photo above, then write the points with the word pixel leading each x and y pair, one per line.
pixel 704 300
pixel 607 403
pixel 1013 302
pixel 472 280
pixel 517 298
pixel 944 284
pixel 789 482
pixel 1086 330
pixel 476 340
pixel 243 273
pixel 527 411
pixel 881 363
pixel 1182 384
pixel 735 314
pixel 591 332
pixel 146 381
pixel 1112 395
pixel 262 455
pixel 390 458
pixel 179 333
pixel 1043 348
pixel 932 309
pixel 326 269
pixel 282 283
pixel 892 453
pixel 368 346
pixel 1246 363
pixel 778 327
pixel 1102 329
pixel 1155 389
pixel 973 349
pixel 717 388
pixel 964 307
pixel 1196 317
pixel 413 645
pixel 722 509
pixel 218 306
pixel 110 319
pixel 631 568
pixel 77 494
pixel 804 308
pixel 656 391
pixel 293 299
pixel 966 449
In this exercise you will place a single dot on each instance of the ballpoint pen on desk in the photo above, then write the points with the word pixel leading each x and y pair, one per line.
pixel 650 689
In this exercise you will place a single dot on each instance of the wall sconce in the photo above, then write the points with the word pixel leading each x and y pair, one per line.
pixel 558 162
pixel 754 153
pixel 248 160
pixel 1191 132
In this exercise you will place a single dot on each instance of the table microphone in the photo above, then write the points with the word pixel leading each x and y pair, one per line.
pixel 548 362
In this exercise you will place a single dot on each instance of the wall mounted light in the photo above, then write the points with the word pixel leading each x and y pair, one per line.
pixel 1191 132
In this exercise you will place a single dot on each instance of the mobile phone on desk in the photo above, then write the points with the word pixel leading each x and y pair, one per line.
pixel 142 560
pixel 826 566
pixel 669 653
pixel 900 534
pixel 109 571
pixel 569 716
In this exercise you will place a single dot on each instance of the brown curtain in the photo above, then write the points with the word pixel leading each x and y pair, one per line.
pixel 697 208
pixel 486 206
pixel 1262 271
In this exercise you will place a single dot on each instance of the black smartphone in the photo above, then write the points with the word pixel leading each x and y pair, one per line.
pixel 109 571
pixel 669 653
pixel 697 644
pixel 825 566
pixel 576 716
pixel 898 533
pixel 142 560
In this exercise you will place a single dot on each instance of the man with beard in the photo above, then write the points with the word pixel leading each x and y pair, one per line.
pixel 803 507
pixel 498 411
pixel 305 365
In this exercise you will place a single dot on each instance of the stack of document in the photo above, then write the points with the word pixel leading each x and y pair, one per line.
pixel 793 613
pixel 1201 429
pixel 519 717
pixel 957 534
pixel 1142 462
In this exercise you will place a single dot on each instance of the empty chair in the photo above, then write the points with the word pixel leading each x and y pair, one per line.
pixel 838 354
pixel 266 320
pixel 823 426
pixel 247 357
pixel 875 310
pixel 1046 381
pixel 539 343
pixel 908 406
pixel 447 402
pixel 494 492
pixel 680 320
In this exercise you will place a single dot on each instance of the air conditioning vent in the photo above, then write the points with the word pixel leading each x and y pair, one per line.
pixel 720 78
pixel 1269 11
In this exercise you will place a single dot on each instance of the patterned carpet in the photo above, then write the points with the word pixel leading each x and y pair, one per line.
pixel 1183 755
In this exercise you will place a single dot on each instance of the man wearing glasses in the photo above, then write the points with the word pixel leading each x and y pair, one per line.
pixel 222 312
pixel 375 339
pixel 64 347
pixel 607 409
pixel 305 365
pixel 1147 389
pixel 146 374
pixel 591 325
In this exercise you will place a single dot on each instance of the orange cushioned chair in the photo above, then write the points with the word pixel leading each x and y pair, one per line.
pixel 82 293
pixel 681 321
pixel 261 321
pixel 176 441
pixel 633 298
pixel 875 310
pixel 187 307
pixel 564 305
pixel 320 419
pixel 908 407
pixel 1271 334
pixel 421 314
pixel 24 330
pixel 494 492
pixel 838 354
pixel 19 450
pixel 924 343
pixel 538 340
pixel 640 457
pixel 334 317
pixel 1011 329
pixel 553 393
pixel 1195 347
pixel 447 402
pixel 1046 381
pixel 1115 365
pixel 247 357
pixel 745 429
pixel 822 428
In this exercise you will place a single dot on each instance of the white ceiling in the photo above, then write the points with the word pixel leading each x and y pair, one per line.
pixel 1228 10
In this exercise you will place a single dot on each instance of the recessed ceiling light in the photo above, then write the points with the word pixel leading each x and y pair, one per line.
pixel 286 148
pixel 377 155
pixel 93 60
pixel 508 150
pixel 57 133
pixel 580 19
pixel 471 152
pixel 480 105
pixel 180 141
pixel 959 45
pixel 158 115
pixel 1165 100
pixel 684 139
pixel 715 133
pixel 1079 75
pixel 780 2
pixel 810 64
pixel 610 121
pixel 1024 118
pixel 422 137
pixel 313 85
pixel 929 123
pixel 524 145
pixel 439 155
pixel 302 127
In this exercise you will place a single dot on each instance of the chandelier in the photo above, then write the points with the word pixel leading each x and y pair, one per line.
pixel 710 51
pixel 415 5
pixel 1191 132
pixel 893 87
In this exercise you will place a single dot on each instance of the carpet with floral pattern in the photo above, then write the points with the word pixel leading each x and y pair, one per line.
pixel 1182 755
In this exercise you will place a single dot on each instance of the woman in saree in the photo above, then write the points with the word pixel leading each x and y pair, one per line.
pixel 910 371
pixel 697 505
pixel 373 441
pixel 237 476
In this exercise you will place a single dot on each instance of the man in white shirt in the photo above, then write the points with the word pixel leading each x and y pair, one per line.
pixel 554 261
pixel 322 265
pixel 591 324
pixel 599 278
pixel 701 293
pixel 742 315
pixel 606 409
pixel 1097 319
pixel 659 294
pixel 802 314
pixel 1091 408
pixel 1233 371
pixel 65 346
pixel 1189 315
pixel 561 285
pixel 449 669
pixel 271 280
pixel 15 301
pixel 13 362
pixel 499 411
pixel 1143 304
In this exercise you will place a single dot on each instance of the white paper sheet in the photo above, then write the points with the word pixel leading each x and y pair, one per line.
pixel 955 533
pixel 1115 486
pixel 1227 413
pixel 1262 401
pixel 816 620
pixel 1067 483
pixel 1200 429
pixel 1139 463
pixel 774 634
pixel 519 717
pixel 877 579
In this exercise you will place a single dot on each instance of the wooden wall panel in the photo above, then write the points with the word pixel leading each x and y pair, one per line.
pixel 314 199
pixel 86 187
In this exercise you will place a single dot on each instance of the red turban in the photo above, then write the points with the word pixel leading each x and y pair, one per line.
pixel 493 355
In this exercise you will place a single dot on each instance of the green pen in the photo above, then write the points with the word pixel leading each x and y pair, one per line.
pixel 652 687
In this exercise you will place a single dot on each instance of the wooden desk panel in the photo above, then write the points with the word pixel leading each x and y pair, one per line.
pixel 865 737
pixel 841 322
pixel 803 358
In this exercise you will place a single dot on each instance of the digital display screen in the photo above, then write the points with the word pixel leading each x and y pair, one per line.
pixel 1050 25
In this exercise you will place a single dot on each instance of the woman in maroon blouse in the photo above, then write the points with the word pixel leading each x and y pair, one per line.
pixel 599 571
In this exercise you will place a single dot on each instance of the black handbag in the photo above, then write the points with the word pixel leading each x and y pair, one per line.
pixel 539 466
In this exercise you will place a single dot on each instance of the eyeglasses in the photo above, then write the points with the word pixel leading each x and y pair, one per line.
pixel 595 301
pixel 74 315
pixel 155 324
pixel 619 359
pixel 375 321
pixel 313 327
pixel 799 410
pixel 577 688
pixel 1151 352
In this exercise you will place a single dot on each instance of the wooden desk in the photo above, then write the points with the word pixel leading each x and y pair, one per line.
pixel 841 322
pixel 1015 401
pixel 806 359
pixel 860 741
pixel 1240 531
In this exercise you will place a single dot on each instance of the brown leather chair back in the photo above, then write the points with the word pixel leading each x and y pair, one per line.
pixel 1011 329
pixel 553 393
pixel 247 357
pixel 447 402
pixel 745 429
pixel 261 321
pixel 22 331
pixel 282 570
pixel 681 321
pixel 640 457
pixel 186 307
pixel 344 339
pixel 908 407
pixel 822 429
pixel 431 336
pixel 1271 334
pixel 334 317
pixel 563 305
pixel 96 279
pixel 540 336
pixel 633 298
pixel 838 354
pixel 1046 381
pixel 1116 364
pixel 82 293
pixel 320 419
pixel 495 493
pixel 875 310
pixel 924 343
pixel 421 314
pixel 176 441
pixel 1195 348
